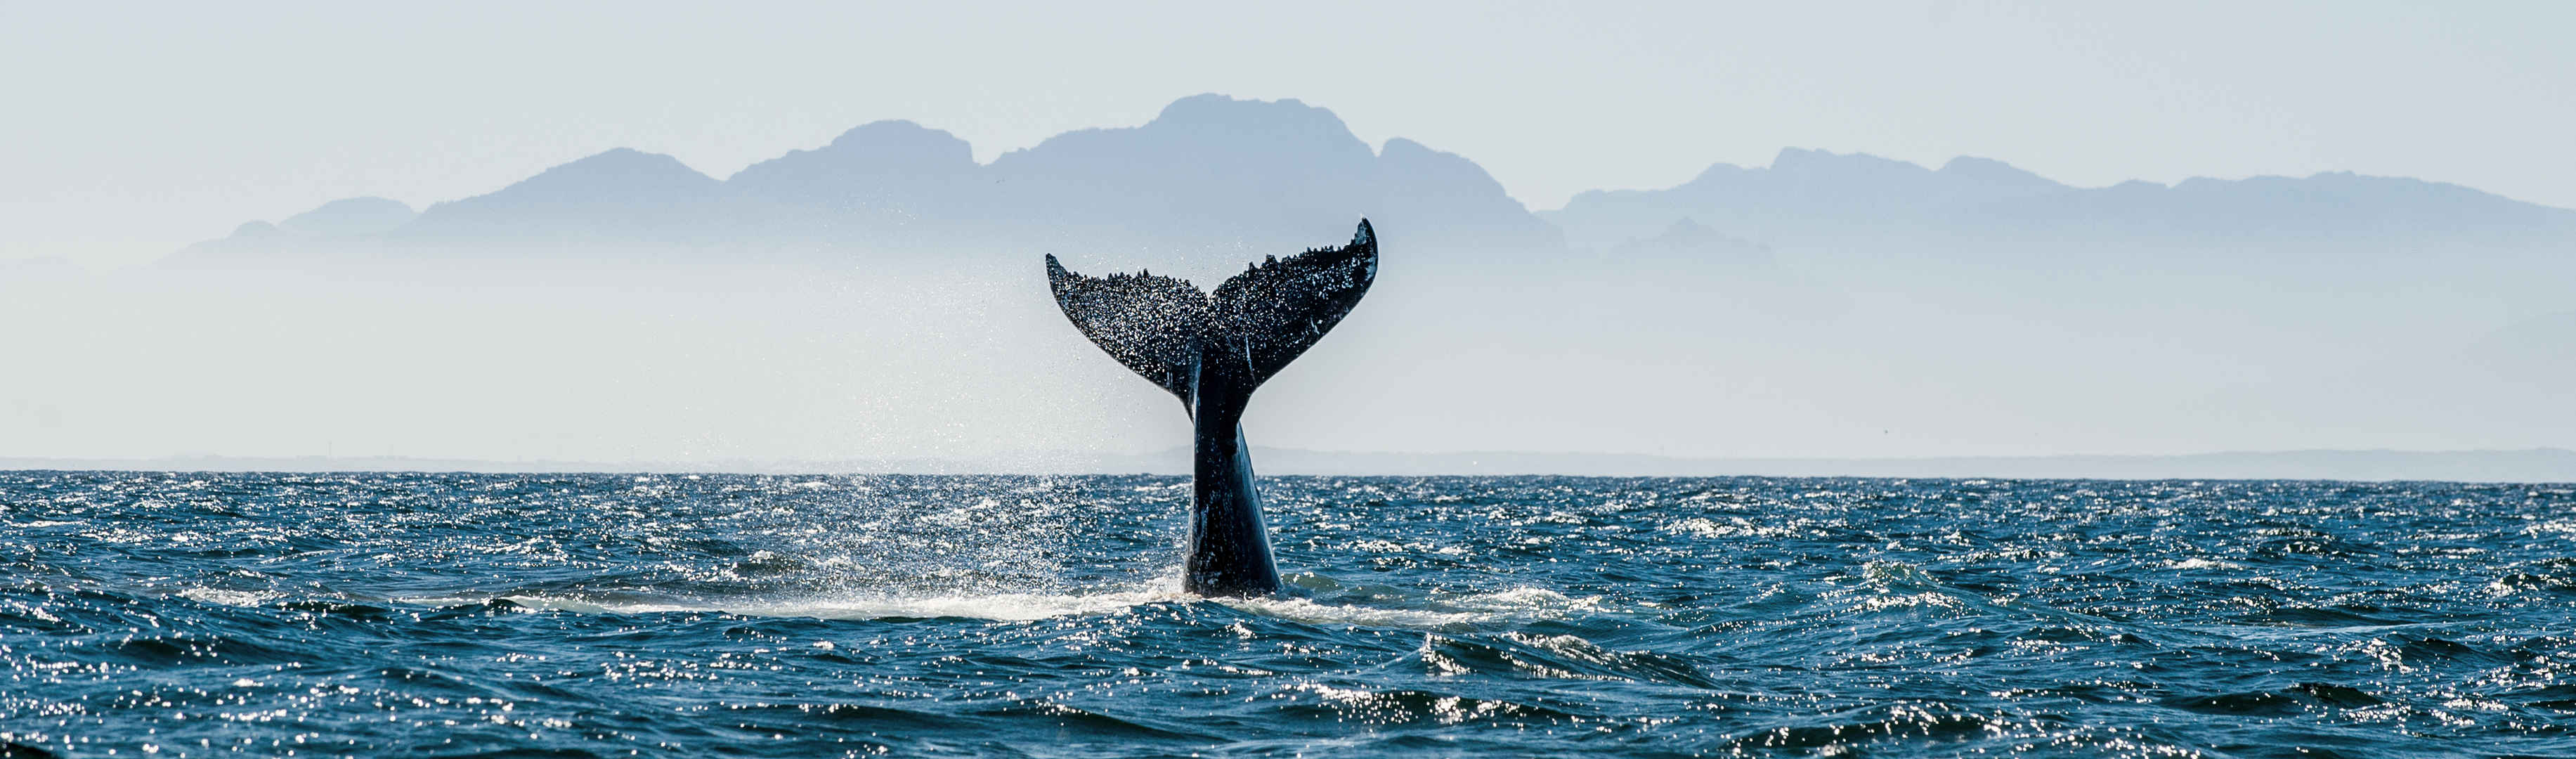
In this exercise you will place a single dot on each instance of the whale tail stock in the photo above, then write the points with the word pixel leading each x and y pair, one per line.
pixel 1212 350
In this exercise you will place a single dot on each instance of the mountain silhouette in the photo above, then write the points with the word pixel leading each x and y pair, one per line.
pixel 1214 173
pixel 885 284
pixel 1815 196
pixel 1208 172
pixel 1444 196
pixel 1207 168
pixel 352 216
pixel 332 224
pixel 877 180
pixel 621 194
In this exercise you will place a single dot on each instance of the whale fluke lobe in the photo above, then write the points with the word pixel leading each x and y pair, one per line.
pixel 1266 316
pixel 1280 308
pixel 1151 324
pixel 1212 350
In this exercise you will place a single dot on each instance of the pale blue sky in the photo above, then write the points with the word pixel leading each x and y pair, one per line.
pixel 132 129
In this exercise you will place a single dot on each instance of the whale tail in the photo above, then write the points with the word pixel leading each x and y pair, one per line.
pixel 1248 330
pixel 1212 350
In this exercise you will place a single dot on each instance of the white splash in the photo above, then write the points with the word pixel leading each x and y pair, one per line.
pixel 997 606
pixel 226 597
pixel 2200 563
pixel 1522 604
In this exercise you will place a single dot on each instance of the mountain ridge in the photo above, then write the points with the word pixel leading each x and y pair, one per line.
pixel 1211 170
pixel 1805 195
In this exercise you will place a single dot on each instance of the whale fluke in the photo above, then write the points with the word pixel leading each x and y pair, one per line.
pixel 1212 350
pixel 1266 316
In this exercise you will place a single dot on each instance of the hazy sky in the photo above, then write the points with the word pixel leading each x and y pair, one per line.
pixel 131 129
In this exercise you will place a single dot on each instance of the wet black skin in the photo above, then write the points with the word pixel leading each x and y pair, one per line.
pixel 1229 545
pixel 1212 350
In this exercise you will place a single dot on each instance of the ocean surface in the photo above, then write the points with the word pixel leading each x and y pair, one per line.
pixel 452 615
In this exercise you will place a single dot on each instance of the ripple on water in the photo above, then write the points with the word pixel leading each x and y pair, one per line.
pixel 594 615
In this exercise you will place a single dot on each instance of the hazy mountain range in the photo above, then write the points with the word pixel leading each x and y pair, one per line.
pixel 1807 195
pixel 880 298
pixel 1211 170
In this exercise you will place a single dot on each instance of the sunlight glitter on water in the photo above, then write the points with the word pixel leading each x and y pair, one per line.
pixel 803 616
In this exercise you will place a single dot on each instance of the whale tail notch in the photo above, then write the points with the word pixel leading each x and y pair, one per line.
pixel 1250 328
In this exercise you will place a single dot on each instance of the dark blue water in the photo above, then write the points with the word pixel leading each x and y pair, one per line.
pixel 612 615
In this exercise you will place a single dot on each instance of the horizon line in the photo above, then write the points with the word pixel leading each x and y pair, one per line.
pixel 2538 465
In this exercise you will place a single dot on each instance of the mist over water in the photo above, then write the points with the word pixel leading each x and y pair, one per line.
pixel 880 297
pixel 594 615
pixel 1821 352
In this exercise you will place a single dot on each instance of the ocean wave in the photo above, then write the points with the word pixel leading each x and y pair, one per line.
pixel 594 615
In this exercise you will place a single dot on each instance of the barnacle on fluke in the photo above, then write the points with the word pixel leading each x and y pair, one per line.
pixel 1212 350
